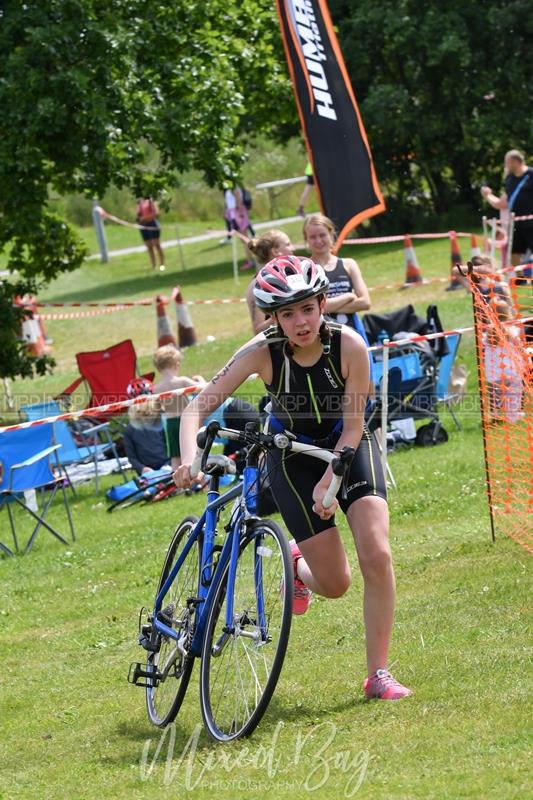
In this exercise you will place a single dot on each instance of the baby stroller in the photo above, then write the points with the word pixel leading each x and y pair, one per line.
pixel 412 373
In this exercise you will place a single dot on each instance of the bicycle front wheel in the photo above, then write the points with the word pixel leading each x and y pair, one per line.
pixel 170 666
pixel 241 662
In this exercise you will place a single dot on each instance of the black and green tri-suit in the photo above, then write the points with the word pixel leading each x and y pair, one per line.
pixel 308 401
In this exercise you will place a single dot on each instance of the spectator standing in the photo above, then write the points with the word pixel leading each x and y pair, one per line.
pixel 269 245
pixel 308 188
pixel 237 218
pixel 517 198
pixel 147 214
pixel 489 280
pixel 347 292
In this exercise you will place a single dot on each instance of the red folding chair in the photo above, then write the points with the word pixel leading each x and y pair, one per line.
pixel 107 374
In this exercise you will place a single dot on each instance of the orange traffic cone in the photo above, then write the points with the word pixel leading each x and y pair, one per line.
pixel 475 250
pixel 164 334
pixel 412 270
pixel 186 332
pixel 455 255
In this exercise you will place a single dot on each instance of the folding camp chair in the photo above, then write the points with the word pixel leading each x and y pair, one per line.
pixel 69 453
pixel 444 374
pixel 412 371
pixel 107 374
pixel 25 466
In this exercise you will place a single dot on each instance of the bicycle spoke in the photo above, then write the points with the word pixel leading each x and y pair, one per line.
pixel 170 667
pixel 239 677
pixel 252 667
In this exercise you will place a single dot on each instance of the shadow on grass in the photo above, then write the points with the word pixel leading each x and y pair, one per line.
pixel 297 712
pixel 150 284
pixel 140 732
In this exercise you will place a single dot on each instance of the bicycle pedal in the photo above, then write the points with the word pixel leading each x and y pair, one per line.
pixel 138 676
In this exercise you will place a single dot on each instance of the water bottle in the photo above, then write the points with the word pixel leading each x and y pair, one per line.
pixel 382 335
pixel 250 478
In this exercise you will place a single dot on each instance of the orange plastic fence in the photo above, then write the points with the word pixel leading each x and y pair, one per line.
pixel 504 356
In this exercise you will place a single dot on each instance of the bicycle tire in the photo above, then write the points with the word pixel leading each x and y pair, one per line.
pixel 232 707
pixel 425 435
pixel 164 699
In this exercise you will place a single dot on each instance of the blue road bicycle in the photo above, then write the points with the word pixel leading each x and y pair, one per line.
pixel 224 596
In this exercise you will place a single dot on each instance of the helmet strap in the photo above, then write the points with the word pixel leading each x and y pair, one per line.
pixel 286 345
pixel 325 336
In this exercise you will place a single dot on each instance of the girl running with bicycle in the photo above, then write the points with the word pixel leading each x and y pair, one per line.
pixel 316 375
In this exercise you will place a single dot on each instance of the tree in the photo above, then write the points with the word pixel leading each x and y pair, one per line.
pixel 445 89
pixel 84 84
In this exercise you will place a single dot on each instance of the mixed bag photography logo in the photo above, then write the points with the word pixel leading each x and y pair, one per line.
pixel 308 762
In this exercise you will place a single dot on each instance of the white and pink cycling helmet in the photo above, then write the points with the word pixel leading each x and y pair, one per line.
pixel 287 280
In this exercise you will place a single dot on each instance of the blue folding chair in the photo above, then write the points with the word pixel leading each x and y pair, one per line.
pixel 70 453
pixel 444 374
pixel 25 466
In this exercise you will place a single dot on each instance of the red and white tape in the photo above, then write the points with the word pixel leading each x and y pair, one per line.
pixel 111 408
pixel 401 237
pixel 429 336
pixel 82 314
pixel 107 308
pixel 108 408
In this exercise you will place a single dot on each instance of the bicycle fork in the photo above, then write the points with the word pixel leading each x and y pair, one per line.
pixel 236 622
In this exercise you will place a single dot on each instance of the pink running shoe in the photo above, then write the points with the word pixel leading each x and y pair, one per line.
pixel 382 686
pixel 302 594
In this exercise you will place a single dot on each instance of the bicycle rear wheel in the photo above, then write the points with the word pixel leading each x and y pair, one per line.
pixel 240 666
pixel 170 667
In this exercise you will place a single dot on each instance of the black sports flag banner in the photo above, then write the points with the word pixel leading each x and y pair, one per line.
pixel 336 140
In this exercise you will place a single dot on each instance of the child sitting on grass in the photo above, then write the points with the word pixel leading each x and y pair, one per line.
pixel 167 361
pixel 144 439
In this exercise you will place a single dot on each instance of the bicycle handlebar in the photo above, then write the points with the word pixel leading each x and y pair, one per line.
pixel 339 464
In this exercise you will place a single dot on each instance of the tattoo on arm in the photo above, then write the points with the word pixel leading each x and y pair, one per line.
pixel 223 371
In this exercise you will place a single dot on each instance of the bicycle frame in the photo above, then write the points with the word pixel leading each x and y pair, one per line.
pixel 228 597
pixel 208 578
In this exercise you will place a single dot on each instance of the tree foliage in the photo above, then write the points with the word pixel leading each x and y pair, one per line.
pixel 445 89
pixel 85 84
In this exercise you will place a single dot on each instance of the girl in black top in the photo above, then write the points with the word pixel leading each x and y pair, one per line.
pixel 347 292
pixel 317 376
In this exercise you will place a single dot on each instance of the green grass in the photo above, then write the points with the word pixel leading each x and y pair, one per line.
pixel 208 274
pixel 71 725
